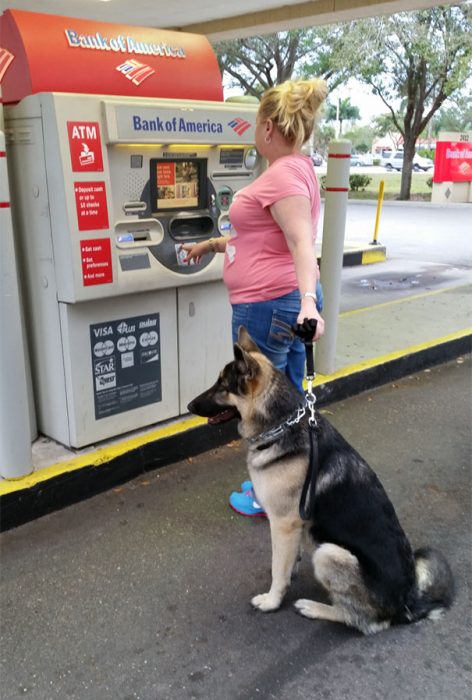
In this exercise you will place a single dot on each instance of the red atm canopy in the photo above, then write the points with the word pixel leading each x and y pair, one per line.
pixel 49 53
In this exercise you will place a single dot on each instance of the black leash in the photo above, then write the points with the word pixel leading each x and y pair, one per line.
pixel 305 331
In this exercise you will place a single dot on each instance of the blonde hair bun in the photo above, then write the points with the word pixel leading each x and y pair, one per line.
pixel 293 106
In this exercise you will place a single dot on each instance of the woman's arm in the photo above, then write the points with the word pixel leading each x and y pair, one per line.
pixel 293 215
pixel 197 250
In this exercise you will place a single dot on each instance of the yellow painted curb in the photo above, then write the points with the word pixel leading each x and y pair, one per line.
pixel 98 457
pixel 384 359
pixel 106 454
pixel 374 256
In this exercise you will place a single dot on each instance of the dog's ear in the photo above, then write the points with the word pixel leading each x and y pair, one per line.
pixel 246 364
pixel 245 340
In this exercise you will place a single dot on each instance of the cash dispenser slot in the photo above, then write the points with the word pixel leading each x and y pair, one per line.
pixel 183 228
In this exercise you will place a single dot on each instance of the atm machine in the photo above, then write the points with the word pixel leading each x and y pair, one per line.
pixel 105 190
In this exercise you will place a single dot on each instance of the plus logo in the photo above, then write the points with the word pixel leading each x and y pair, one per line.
pixel 239 125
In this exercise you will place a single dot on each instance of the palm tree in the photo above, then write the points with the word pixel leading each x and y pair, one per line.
pixel 342 111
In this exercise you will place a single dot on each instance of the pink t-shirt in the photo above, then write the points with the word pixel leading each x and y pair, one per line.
pixel 258 264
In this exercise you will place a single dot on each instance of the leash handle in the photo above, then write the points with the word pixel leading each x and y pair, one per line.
pixel 305 331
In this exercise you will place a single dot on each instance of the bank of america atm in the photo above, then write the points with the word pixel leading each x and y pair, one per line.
pixel 105 190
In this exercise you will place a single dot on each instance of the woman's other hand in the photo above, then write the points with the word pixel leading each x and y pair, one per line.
pixel 308 310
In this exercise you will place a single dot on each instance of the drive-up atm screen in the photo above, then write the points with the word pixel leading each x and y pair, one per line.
pixel 178 184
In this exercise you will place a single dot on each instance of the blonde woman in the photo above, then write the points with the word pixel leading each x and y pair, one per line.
pixel 270 266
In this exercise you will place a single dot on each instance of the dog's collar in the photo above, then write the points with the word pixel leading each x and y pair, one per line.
pixel 268 437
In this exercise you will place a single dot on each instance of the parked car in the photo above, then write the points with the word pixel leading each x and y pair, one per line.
pixel 317 159
pixel 419 163
pixel 385 156
pixel 357 160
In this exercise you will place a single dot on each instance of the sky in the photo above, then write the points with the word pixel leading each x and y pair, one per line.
pixel 360 95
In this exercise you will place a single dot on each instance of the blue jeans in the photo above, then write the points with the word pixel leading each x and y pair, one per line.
pixel 269 323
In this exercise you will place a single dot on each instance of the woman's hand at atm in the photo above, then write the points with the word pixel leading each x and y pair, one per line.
pixel 195 251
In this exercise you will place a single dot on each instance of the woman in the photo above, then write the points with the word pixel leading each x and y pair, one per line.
pixel 270 266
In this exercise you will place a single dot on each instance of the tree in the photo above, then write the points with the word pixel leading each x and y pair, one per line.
pixel 414 61
pixel 342 111
pixel 321 138
pixel 361 138
pixel 258 63
pixel 458 117
pixel 384 125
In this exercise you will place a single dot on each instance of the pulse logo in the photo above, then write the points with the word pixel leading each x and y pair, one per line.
pixel 239 125
pixel 135 71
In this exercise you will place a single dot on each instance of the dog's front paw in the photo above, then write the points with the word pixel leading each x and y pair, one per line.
pixel 266 602
pixel 307 608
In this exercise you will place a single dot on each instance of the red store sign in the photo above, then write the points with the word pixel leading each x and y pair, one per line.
pixel 453 161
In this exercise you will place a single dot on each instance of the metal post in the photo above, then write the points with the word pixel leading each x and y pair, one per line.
pixel 379 209
pixel 15 433
pixel 332 249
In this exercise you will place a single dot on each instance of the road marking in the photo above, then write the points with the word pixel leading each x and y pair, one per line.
pixel 403 300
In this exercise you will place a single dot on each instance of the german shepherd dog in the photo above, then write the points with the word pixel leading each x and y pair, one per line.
pixel 361 556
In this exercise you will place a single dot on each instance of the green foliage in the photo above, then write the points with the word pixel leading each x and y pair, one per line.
pixel 413 61
pixel 359 182
pixel 457 117
pixel 427 152
pixel 429 182
pixel 321 137
pixel 258 63
pixel 341 112
pixel 361 138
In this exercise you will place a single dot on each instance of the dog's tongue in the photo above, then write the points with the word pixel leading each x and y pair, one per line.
pixel 223 416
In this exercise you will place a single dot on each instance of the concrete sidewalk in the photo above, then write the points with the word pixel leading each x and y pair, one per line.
pixel 375 344
pixel 142 592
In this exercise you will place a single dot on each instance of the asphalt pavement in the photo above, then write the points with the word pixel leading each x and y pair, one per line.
pixel 142 592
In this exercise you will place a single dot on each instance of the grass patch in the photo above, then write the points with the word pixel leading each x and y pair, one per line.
pixel 419 189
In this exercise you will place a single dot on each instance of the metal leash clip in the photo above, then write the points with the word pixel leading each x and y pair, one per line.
pixel 305 331
pixel 310 399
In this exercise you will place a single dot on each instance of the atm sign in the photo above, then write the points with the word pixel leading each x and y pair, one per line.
pixel 85 146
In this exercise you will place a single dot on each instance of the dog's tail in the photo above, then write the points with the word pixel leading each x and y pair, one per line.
pixel 435 585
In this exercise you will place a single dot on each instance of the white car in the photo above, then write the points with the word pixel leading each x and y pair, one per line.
pixel 395 162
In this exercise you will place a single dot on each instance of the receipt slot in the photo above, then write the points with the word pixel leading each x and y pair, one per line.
pixel 105 190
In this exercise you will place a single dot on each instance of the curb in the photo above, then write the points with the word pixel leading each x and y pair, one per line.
pixel 24 504
pixel 362 256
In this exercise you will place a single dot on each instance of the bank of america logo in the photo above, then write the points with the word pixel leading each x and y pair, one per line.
pixel 135 71
pixel 5 59
pixel 239 125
